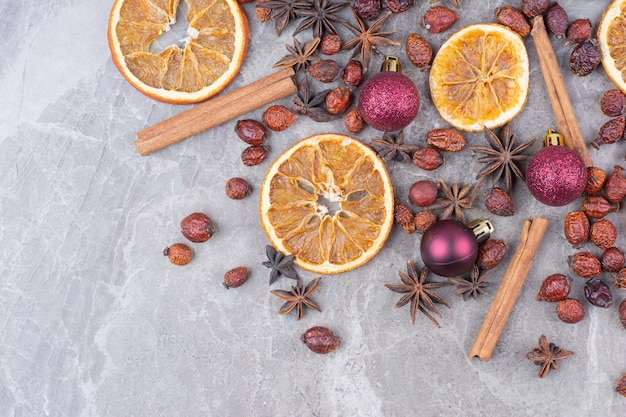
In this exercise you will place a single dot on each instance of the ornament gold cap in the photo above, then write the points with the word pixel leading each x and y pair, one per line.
pixel 391 63
pixel 482 229
pixel 553 138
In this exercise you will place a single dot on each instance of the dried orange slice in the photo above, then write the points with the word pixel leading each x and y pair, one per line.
pixel 329 201
pixel 480 77
pixel 612 42
pixel 206 62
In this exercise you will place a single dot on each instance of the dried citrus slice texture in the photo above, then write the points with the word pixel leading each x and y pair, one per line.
pixel 612 42
pixel 203 65
pixel 480 77
pixel 329 201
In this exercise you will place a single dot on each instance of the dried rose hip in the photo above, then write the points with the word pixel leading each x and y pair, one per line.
pixel 423 220
pixel 595 180
pixel 597 206
pixel 612 259
pixel 615 185
pixel 251 132
pixel 404 217
pixel 585 265
pixel 598 293
pixel 613 103
pixel 446 139
pixel 353 121
pixel 262 13
pixel 532 8
pixel 237 188
pixel 622 319
pixel 610 132
pixel 555 287
pixel 621 383
pixel 585 58
pixel 423 193
pixel 576 228
pixel 278 117
pixel 603 234
pixel 578 31
pixel 438 18
pixel 427 158
pixel 557 20
pixel 179 254
pixel 320 340
pixel 491 253
pixel 197 227
pixel 353 73
pixel 513 18
pixel 254 155
pixel 419 51
pixel 618 279
pixel 397 6
pixel 325 70
pixel 338 100
pixel 499 202
pixel 331 44
pixel 236 277
pixel 570 310
pixel 367 9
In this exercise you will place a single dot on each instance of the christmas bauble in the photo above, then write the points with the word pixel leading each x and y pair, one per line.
pixel 556 175
pixel 449 248
pixel 388 101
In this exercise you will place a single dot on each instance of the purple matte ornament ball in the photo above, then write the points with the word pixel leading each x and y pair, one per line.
pixel 389 101
pixel 556 175
pixel 449 248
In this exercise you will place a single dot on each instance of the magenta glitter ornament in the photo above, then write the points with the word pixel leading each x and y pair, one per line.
pixel 389 101
pixel 556 175
pixel 450 247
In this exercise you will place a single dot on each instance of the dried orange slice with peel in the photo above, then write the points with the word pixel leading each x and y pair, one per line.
pixel 329 201
pixel 612 42
pixel 206 62
pixel 480 77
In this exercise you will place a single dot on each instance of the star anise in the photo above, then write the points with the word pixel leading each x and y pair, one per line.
pixel 368 39
pixel 280 264
pixel 298 297
pixel 419 292
pixel 300 56
pixel 390 148
pixel 546 354
pixel 455 200
pixel 282 11
pixel 473 286
pixel 502 158
pixel 303 103
pixel 321 17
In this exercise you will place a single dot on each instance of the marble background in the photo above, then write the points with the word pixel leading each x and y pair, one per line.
pixel 94 321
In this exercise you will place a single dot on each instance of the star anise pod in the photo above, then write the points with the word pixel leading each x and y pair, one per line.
pixel 419 292
pixel 280 264
pixel 502 158
pixel 546 354
pixel 368 39
pixel 303 103
pixel 300 56
pixel 473 286
pixel 321 17
pixel 283 11
pixel 390 147
pixel 298 297
pixel 455 200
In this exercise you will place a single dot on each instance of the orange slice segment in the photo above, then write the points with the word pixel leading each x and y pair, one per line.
pixel 612 42
pixel 329 201
pixel 480 77
pixel 205 63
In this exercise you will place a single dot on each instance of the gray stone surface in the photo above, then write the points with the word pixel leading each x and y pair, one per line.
pixel 94 321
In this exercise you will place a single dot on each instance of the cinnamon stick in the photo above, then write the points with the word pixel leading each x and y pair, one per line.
pixel 502 305
pixel 561 104
pixel 216 111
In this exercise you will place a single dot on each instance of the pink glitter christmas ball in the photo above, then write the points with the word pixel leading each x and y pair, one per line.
pixel 389 101
pixel 556 175
pixel 449 248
